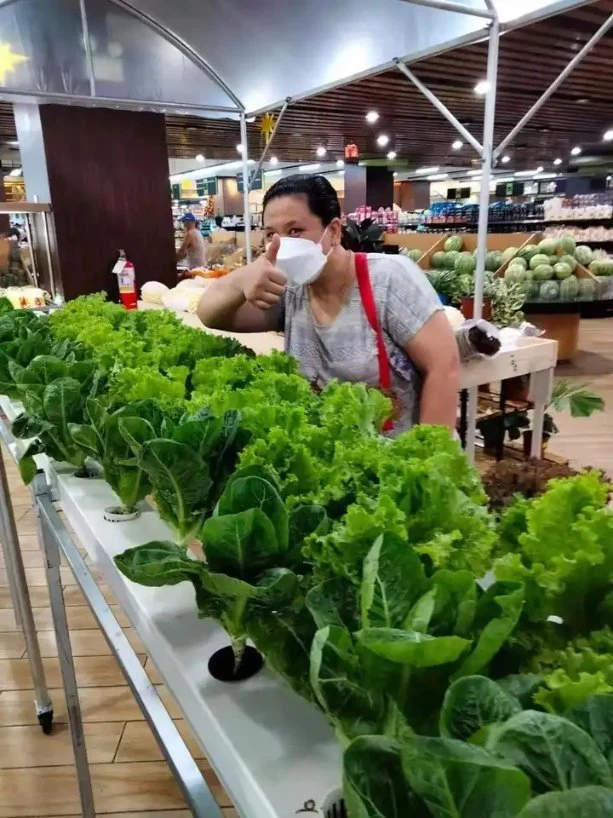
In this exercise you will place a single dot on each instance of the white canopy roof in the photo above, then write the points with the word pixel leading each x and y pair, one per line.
pixel 255 52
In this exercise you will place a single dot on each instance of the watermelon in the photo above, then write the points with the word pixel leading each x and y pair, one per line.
pixel 602 267
pixel 547 246
pixel 543 272
pixel 438 260
pixel 587 289
pixel 570 260
pixel 531 290
pixel 562 270
pixel 520 261
pixel 453 243
pixel 508 254
pixel 450 258
pixel 569 288
pixel 584 254
pixel 549 291
pixel 493 260
pixel 528 251
pixel 515 272
pixel 567 245
pixel 465 263
pixel 415 255
pixel 537 259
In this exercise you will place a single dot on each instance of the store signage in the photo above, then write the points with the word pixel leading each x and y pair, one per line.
pixel 255 183
pixel 206 187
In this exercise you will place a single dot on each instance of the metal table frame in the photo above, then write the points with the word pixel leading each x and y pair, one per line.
pixel 55 541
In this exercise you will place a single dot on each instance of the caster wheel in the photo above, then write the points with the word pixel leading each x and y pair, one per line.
pixel 46 721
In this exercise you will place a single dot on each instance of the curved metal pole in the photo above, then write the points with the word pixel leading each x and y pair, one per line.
pixel 272 136
pixel 181 45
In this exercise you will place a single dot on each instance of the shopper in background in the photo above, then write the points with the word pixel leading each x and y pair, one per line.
pixel 193 248
pixel 362 318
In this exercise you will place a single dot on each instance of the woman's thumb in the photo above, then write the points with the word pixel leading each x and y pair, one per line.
pixel 273 248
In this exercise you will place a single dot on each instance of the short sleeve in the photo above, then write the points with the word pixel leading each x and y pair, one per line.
pixel 409 298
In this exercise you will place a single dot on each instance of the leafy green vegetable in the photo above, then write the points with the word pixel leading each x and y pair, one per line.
pixel 472 703
pixel 595 717
pixel 583 802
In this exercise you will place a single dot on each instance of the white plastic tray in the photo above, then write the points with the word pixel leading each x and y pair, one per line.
pixel 272 751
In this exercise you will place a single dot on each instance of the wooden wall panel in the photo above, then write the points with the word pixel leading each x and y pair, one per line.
pixel 108 176
pixel 4 219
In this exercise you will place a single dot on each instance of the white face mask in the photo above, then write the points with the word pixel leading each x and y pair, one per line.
pixel 302 260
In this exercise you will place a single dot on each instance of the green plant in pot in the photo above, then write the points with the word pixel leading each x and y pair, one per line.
pixel 366 237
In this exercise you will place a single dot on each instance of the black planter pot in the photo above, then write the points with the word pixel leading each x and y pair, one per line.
pixel 222 664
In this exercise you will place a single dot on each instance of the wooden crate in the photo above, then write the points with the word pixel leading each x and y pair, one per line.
pixel 414 241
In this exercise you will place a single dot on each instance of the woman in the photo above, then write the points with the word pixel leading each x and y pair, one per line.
pixel 372 319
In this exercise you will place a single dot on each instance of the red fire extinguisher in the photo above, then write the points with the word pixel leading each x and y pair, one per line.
pixel 126 279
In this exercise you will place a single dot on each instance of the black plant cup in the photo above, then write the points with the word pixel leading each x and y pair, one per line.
pixel 226 666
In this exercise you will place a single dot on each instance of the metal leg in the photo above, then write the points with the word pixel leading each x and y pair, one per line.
pixel 471 425
pixel 541 384
pixel 60 624
pixel 185 769
pixel 21 596
pixel 502 407
pixel 463 411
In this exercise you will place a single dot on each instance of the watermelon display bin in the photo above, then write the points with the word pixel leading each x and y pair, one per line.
pixel 427 242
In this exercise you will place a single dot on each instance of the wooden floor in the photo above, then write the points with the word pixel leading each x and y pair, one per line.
pixel 129 777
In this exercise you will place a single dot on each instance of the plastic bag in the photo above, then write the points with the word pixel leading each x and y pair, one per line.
pixel 477 337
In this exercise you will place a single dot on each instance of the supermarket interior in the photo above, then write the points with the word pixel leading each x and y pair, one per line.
pixel 306 409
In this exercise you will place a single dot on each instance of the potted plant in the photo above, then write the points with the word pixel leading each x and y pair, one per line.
pixel 365 237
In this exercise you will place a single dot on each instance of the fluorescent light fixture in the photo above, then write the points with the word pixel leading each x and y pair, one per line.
pixel 557 161
pixel 273 160
pixel 340 163
pixel 309 168
pixel 321 151
pixel 199 157
pixel 546 176
pixel 16 172
pixel 437 177
pixel 608 135
pixel 457 144
pixel 505 159
pixel 427 170
pixel 13 143
pixel 273 172
pixel 240 148
pixel 482 87
pixel 392 155
pixel 372 117
pixel 474 173
pixel 382 140
pixel 528 172
pixel 506 179
pixel 212 170
pixel 576 151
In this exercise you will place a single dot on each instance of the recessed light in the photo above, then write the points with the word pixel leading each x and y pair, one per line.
pixel 340 163
pixel 540 169
pixel 557 161
pixel 426 170
pixel 382 140
pixel 457 144
pixel 199 157
pixel 576 151
pixel 321 151
pixel 608 135
pixel 482 87
pixel 240 148
pixel 582 100
pixel 396 174
pixel 392 155
pixel 372 117
pixel 250 119
pixel 609 177
pixel 506 158
pixel 273 160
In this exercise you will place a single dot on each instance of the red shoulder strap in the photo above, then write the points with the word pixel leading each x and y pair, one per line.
pixel 370 308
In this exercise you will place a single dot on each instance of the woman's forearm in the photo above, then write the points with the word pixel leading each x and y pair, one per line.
pixel 220 302
pixel 439 398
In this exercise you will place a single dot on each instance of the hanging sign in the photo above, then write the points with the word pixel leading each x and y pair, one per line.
pixel 254 184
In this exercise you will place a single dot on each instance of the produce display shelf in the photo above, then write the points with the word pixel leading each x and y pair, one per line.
pixel 272 751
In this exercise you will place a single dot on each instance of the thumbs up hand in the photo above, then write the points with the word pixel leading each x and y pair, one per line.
pixel 261 282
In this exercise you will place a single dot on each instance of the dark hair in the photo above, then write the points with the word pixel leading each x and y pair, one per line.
pixel 218 220
pixel 319 193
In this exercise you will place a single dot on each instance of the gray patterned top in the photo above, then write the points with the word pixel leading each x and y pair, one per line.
pixel 347 348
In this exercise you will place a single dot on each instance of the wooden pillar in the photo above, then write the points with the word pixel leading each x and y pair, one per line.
pixel 4 218
pixel 107 173
pixel 373 186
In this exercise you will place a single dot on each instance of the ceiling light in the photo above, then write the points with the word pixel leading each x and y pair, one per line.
pixel 273 160
pixel 608 136
pixel 392 155
pixel 436 177
pixel 576 151
pixel 457 144
pixel 582 100
pixel 396 174
pixel 528 172
pixel 546 176
pixel 321 151
pixel 426 170
pixel 506 158
pixel 16 172
pixel 240 148
pixel 340 163
pixel 474 173
pixel 557 161
pixel 308 168
pixel 539 169
pixel 372 117
pixel 609 178
pixel 199 157
pixel 250 119
pixel 482 87
pixel 382 140
pixel 13 143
